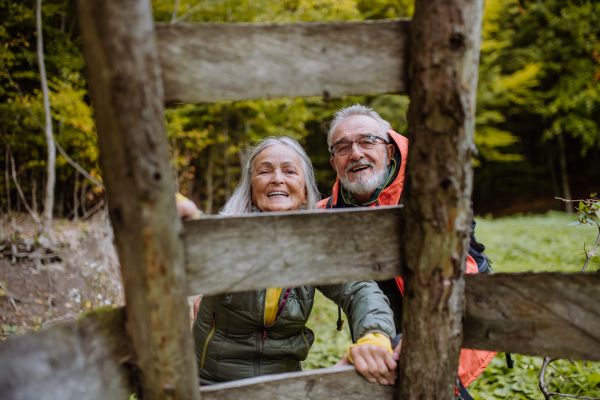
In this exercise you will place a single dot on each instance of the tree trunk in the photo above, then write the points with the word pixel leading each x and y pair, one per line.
pixel 127 94
pixel 564 177
pixel 34 192
pixel 225 137
pixel 553 178
pixel 189 174
pixel 49 195
pixel 20 191
pixel 60 202
pixel 76 197
pixel 210 189
pixel 83 200
pixel 7 180
pixel 443 71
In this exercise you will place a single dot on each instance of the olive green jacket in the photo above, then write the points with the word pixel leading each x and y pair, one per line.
pixel 232 341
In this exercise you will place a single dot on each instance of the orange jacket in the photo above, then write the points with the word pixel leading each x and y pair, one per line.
pixel 472 362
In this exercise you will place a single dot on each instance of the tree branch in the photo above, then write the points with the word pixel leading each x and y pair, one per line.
pixel 547 360
pixel 77 166
pixel 14 176
pixel 93 210
pixel 175 11
pixel 590 254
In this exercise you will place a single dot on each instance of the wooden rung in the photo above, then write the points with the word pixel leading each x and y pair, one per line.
pixel 320 384
pixel 547 314
pixel 553 314
pixel 291 249
pixel 82 360
pixel 215 62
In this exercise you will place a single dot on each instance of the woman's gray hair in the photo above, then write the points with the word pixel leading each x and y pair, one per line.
pixel 240 201
pixel 357 109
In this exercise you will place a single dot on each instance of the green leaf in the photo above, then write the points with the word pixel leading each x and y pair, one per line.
pixel 574 223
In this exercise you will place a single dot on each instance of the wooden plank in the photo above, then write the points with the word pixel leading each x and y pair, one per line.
pixel 214 62
pixel 82 360
pixel 233 254
pixel 320 384
pixel 551 314
pixel 127 94
pixel 445 36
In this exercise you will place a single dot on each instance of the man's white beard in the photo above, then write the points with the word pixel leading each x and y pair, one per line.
pixel 362 186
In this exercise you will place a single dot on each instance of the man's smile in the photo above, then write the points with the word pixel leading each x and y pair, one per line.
pixel 359 168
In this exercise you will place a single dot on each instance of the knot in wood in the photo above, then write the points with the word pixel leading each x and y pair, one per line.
pixel 457 42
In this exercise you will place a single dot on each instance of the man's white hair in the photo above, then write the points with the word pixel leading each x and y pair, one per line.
pixel 358 109
pixel 240 201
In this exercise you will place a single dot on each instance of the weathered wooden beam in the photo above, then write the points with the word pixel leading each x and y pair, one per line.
pixel 555 315
pixel 319 384
pixel 83 360
pixel 127 94
pixel 443 70
pixel 213 62
pixel 549 314
pixel 225 254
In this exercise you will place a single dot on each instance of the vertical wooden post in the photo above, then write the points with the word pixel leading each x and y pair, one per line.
pixel 127 93
pixel 443 72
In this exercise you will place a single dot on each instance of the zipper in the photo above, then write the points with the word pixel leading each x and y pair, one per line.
pixel 305 341
pixel 279 311
pixel 260 341
pixel 213 327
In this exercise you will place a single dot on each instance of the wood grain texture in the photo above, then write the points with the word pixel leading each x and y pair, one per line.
pixel 444 45
pixel 82 360
pixel 552 314
pixel 549 314
pixel 214 62
pixel 127 94
pixel 320 384
pixel 233 254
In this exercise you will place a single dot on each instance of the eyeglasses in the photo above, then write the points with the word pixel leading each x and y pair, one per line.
pixel 365 142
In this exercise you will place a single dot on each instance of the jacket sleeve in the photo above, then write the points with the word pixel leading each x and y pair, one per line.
pixel 365 305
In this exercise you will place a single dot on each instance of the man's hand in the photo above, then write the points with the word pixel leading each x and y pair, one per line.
pixel 374 363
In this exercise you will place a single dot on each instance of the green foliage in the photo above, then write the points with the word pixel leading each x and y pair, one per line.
pixel 498 382
pixel 21 109
pixel 330 344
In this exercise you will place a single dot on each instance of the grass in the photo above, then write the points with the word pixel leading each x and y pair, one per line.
pixel 538 243
pixel 522 243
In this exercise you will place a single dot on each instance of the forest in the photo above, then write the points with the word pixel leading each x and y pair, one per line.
pixel 537 124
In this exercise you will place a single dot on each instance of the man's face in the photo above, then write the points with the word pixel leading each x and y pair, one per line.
pixel 361 167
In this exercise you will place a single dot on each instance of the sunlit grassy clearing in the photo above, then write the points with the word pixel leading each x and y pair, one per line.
pixel 537 242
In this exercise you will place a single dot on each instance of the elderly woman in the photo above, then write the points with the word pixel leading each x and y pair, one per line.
pixel 261 332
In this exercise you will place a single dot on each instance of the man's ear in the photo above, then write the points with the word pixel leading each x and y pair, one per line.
pixel 391 149
pixel 333 164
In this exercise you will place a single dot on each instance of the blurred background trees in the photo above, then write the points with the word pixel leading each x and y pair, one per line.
pixel 538 116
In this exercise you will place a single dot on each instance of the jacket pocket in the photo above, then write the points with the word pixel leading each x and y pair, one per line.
pixel 213 327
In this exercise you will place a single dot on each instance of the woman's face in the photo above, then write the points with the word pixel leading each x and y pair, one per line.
pixel 278 182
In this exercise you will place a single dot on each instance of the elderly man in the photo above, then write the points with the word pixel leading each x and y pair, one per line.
pixel 370 161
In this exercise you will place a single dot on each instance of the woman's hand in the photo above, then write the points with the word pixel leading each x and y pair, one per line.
pixel 374 362
pixel 186 209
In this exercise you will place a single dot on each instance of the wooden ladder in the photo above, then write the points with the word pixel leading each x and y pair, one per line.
pixel 135 67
